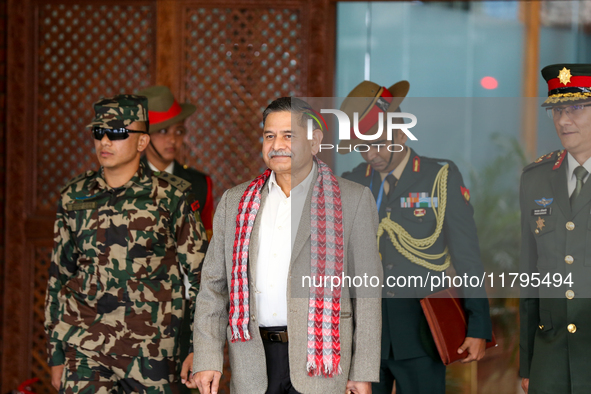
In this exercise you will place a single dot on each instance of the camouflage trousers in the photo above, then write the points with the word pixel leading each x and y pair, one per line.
pixel 88 372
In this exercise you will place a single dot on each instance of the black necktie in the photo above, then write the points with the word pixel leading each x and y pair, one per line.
pixel 580 173
pixel 392 181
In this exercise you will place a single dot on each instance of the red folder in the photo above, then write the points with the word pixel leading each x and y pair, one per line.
pixel 447 321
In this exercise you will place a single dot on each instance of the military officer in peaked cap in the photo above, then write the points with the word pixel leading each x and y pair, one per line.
pixel 402 183
pixel 114 304
pixel 167 131
pixel 556 243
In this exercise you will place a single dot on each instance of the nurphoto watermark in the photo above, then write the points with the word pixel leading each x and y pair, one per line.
pixel 393 122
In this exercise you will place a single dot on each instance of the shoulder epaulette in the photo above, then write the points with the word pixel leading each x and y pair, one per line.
pixel 362 169
pixel 440 161
pixel 174 180
pixel 77 178
pixel 555 158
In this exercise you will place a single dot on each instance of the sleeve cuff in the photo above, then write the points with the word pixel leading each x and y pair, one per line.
pixel 56 353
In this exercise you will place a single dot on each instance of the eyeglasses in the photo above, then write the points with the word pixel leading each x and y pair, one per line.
pixel 113 134
pixel 572 111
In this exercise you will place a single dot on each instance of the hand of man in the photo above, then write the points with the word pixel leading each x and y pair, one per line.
pixel 525 384
pixel 208 382
pixel 358 387
pixel 475 347
pixel 56 376
pixel 186 369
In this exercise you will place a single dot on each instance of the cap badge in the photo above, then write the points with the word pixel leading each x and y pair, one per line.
pixel 564 76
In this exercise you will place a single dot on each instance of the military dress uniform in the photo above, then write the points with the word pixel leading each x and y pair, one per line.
pixel 164 111
pixel 409 354
pixel 114 303
pixel 556 239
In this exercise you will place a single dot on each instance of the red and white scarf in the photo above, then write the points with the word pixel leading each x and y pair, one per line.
pixel 324 341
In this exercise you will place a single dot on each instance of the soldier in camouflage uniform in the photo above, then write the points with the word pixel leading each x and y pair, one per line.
pixel 114 303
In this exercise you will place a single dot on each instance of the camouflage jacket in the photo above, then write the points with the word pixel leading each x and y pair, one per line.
pixel 114 281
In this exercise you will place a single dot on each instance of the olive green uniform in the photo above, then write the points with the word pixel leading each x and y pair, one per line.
pixel 555 336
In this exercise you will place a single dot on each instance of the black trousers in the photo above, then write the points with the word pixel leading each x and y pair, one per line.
pixel 277 355
pixel 421 375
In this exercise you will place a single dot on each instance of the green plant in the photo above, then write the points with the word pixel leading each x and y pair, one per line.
pixel 495 198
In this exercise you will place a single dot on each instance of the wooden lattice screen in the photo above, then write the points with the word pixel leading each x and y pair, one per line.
pixel 229 58
pixel 39 368
pixel 235 61
pixel 84 52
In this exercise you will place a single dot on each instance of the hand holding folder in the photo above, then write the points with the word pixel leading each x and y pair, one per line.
pixel 447 320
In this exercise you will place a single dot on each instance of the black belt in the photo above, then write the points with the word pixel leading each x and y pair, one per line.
pixel 273 335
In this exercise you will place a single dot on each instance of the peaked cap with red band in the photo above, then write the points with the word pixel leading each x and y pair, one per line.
pixel 567 83
pixel 369 99
pixel 163 109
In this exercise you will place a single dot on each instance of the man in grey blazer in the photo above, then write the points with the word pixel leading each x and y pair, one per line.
pixel 285 335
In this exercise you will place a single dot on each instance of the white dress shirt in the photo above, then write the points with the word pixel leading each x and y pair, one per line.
pixel 570 175
pixel 168 169
pixel 280 215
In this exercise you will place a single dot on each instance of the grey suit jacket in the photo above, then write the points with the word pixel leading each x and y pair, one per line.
pixel 360 325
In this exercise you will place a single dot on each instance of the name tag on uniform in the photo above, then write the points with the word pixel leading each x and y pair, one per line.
pixel 541 212
pixel 78 206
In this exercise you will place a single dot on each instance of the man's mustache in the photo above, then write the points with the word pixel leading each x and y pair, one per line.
pixel 278 153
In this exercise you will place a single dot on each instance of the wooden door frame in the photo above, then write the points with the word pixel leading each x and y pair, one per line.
pixel 16 359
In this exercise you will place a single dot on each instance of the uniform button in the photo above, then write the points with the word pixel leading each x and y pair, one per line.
pixel 279 228
pixel 274 314
pixel 254 317
pixel 570 226
pixel 274 254
pixel 569 259
pixel 537 231
pixel 390 266
pixel 390 294
pixel 541 326
pixel 571 328
pixel 570 294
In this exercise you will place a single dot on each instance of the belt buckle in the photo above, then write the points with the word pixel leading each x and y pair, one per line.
pixel 275 337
